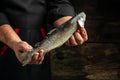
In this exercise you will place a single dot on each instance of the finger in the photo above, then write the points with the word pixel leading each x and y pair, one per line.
pixel 29 47
pixel 72 41
pixel 83 33
pixel 34 58
pixel 40 60
pixel 78 38
pixel 41 57
pixel 67 43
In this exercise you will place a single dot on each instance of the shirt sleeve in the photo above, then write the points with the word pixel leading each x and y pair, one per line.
pixel 3 19
pixel 59 8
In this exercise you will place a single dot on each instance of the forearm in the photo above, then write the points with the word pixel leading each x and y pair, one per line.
pixel 62 20
pixel 8 35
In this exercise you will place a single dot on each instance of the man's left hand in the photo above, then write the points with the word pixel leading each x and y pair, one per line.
pixel 78 38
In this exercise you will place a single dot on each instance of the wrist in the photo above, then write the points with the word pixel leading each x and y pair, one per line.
pixel 8 35
pixel 13 44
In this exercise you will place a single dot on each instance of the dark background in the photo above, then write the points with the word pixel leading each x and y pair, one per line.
pixel 99 57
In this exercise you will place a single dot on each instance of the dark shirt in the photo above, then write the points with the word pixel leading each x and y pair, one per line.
pixel 26 13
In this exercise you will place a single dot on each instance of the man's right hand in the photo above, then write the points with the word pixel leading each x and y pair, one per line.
pixel 23 46
pixel 10 38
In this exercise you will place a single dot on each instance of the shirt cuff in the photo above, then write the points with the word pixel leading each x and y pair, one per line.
pixel 3 19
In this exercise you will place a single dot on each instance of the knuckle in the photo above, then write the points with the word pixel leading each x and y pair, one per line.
pixel 81 41
pixel 74 44
pixel 86 38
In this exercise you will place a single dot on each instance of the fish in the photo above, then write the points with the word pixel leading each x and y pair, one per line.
pixel 56 37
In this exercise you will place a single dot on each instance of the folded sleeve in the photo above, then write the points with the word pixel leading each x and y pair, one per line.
pixel 3 19
pixel 59 8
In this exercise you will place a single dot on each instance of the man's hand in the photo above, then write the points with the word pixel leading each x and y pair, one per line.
pixel 10 38
pixel 23 46
pixel 79 37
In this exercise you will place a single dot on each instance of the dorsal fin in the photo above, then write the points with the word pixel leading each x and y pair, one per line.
pixel 51 31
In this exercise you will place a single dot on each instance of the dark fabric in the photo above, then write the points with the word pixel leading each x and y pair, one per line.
pixel 29 16
pixel 3 19
pixel 12 69
pixel 26 13
pixel 59 8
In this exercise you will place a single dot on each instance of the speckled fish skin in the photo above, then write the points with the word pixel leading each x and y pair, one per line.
pixel 56 37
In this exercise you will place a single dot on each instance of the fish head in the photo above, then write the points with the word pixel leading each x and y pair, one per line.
pixel 80 19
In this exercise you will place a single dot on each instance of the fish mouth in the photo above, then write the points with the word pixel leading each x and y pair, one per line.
pixel 81 20
pixel 80 23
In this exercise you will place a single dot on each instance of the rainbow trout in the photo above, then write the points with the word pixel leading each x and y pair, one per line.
pixel 56 37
